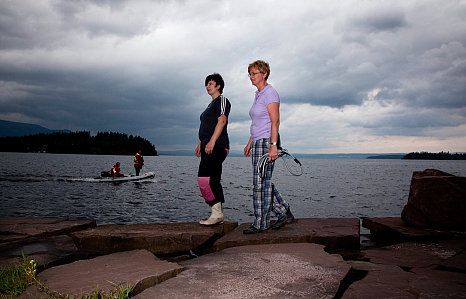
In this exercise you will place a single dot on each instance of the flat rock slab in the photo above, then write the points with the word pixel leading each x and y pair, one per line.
pixel 334 233
pixel 299 270
pixel 17 230
pixel 160 239
pixel 46 252
pixel 388 281
pixel 456 263
pixel 417 254
pixel 139 269
pixel 393 229
pixel 380 281
pixel 432 283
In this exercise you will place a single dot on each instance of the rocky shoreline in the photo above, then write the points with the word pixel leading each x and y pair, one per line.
pixel 310 258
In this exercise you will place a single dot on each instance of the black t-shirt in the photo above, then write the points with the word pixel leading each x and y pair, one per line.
pixel 209 119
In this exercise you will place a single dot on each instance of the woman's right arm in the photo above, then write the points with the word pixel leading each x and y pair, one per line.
pixel 197 151
pixel 247 148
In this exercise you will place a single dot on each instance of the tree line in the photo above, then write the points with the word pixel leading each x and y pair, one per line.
pixel 435 156
pixel 81 142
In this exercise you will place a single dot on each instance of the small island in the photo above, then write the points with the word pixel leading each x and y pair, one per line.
pixel 435 156
pixel 104 143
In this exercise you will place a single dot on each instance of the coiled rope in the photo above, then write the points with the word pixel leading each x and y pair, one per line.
pixel 264 159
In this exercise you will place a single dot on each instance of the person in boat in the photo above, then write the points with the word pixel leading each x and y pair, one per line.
pixel 138 162
pixel 116 171
pixel 213 148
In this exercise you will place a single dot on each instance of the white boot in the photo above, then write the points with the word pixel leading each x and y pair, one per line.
pixel 216 216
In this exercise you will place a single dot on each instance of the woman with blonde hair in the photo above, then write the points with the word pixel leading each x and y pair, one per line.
pixel 265 140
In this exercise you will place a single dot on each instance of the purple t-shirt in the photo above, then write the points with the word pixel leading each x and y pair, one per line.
pixel 261 124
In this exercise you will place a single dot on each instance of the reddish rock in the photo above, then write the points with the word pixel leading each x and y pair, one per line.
pixel 430 283
pixel 46 252
pixel 160 239
pixel 334 233
pixel 415 254
pixel 393 230
pixel 21 230
pixel 455 263
pixel 380 281
pixel 299 270
pixel 388 281
pixel 43 239
pixel 436 200
pixel 269 270
pixel 139 269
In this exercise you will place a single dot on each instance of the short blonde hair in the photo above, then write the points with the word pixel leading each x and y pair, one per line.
pixel 262 66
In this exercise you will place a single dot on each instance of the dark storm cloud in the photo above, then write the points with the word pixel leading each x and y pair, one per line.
pixel 95 100
pixel 373 21
pixel 47 25
pixel 433 79
pixel 410 122
pixel 104 20
pixel 19 29
pixel 364 67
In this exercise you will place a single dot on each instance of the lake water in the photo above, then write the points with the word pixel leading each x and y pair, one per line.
pixel 36 185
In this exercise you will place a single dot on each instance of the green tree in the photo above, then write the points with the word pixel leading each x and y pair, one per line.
pixel 81 142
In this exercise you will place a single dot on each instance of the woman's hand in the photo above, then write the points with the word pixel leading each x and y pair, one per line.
pixel 247 149
pixel 197 151
pixel 273 153
pixel 209 148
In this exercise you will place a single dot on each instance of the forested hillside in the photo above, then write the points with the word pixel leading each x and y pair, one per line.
pixel 435 156
pixel 104 143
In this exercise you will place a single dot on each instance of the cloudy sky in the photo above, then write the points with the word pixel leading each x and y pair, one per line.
pixel 353 76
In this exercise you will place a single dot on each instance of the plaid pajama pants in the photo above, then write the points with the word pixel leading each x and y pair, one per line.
pixel 264 190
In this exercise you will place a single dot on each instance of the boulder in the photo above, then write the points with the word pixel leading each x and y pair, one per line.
pixel 436 200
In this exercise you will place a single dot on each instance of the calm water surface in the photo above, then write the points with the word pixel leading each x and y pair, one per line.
pixel 37 185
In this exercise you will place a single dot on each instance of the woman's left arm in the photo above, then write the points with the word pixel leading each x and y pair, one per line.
pixel 274 114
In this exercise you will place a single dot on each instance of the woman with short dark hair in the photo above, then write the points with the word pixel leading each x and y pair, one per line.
pixel 213 148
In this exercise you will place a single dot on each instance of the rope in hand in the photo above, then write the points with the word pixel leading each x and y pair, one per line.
pixel 264 159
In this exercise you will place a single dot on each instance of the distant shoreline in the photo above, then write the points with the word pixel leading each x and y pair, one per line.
pixel 389 156
pixel 300 155
pixel 435 156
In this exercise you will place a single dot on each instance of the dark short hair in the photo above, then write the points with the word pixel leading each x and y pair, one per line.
pixel 217 79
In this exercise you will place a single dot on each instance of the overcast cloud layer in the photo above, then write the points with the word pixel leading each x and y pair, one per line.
pixel 353 76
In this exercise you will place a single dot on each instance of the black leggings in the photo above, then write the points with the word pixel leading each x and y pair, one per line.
pixel 210 174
